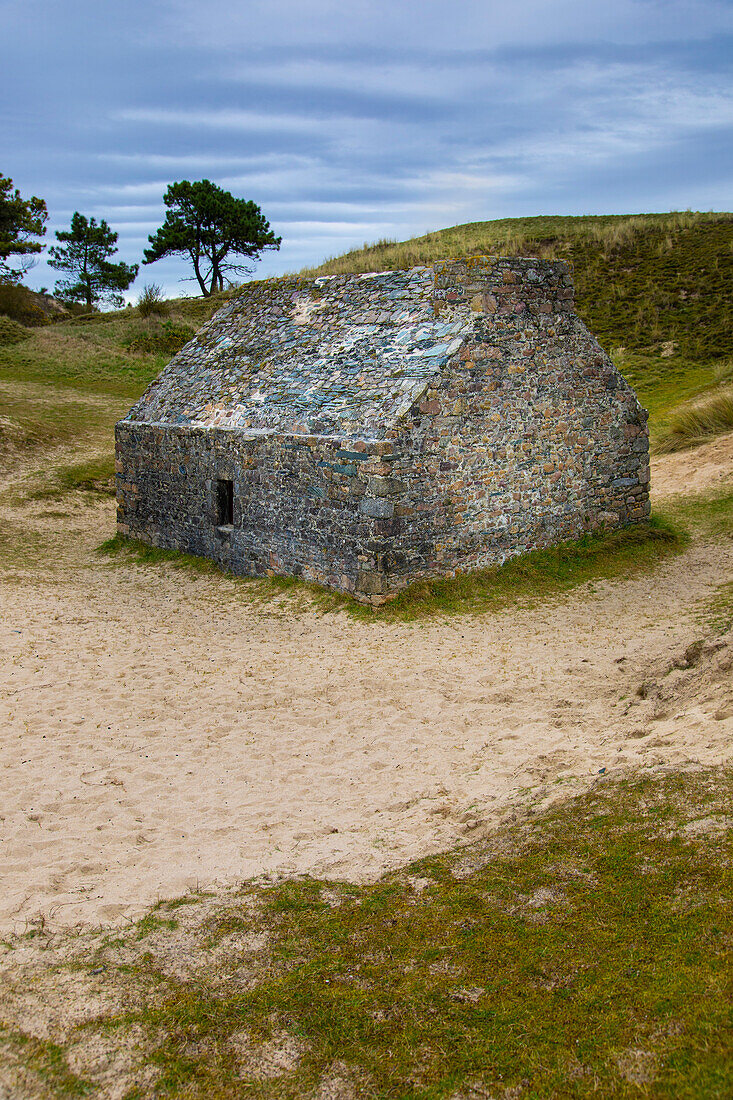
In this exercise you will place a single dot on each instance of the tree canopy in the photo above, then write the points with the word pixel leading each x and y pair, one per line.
pixel 91 276
pixel 20 221
pixel 208 224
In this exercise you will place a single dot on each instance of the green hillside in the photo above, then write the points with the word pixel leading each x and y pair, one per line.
pixel 657 290
pixel 641 281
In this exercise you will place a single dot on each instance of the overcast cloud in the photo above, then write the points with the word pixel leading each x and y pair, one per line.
pixel 348 122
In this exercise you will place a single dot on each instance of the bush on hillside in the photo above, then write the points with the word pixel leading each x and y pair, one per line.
pixel 151 301
pixel 21 305
pixel 11 332
pixel 160 339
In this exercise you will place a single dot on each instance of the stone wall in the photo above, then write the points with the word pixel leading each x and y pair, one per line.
pixel 303 506
pixel 489 285
pixel 524 436
pixel 529 437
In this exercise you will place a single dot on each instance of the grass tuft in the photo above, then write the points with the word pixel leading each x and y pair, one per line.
pixel 691 425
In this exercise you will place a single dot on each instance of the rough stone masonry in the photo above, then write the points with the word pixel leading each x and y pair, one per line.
pixel 366 431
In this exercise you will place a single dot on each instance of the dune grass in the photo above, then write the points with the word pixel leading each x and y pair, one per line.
pixel 642 282
pixel 542 235
pixel 689 425
pixel 581 952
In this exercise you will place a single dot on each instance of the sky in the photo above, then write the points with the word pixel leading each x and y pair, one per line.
pixel 352 121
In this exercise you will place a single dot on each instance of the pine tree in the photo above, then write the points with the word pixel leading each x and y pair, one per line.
pixel 206 224
pixel 20 220
pixel 92 278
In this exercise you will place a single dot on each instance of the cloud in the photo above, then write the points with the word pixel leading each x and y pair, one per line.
pixel 199 161
pixel 459 26
pixel 220 118
pixel 372 119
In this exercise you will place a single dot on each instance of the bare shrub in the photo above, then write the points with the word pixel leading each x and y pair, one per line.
pixel 151 301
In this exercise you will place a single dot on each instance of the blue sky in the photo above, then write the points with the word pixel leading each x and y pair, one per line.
pixel 350 121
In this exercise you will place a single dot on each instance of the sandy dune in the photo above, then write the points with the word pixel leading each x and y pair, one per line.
pixel 160 731
pixel 694 471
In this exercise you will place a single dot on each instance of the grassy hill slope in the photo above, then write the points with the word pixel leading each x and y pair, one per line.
pixel 655 288
pixel 641 281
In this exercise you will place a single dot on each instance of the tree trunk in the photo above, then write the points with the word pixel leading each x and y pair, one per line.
pixel 85 277
pixel 206 293
pixel 216 280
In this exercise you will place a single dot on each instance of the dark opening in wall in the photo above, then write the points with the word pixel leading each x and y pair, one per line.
pixel 224 503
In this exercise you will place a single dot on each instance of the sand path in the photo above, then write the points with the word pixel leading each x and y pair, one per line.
pixel 160 731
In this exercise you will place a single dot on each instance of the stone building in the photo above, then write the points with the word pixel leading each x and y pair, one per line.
pixel 365 431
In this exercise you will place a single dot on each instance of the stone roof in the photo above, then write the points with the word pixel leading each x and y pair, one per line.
pixel 341 355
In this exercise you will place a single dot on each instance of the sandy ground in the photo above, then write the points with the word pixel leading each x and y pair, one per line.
pixel 695 471
pixel 161 731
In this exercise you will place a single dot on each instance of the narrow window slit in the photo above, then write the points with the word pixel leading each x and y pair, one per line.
pixel 224 503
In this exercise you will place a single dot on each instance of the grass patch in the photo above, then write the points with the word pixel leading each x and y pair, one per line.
pixel 153 923
pixel 89 357
pixel 708 515
pixel 45 1061
pixel 582 953
pixel 36 418
pixel 97 475
pixel 541 574
pixel 691 425
pixel 523 581
pixel 133 550
pixel 663 382
pixel 718 610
